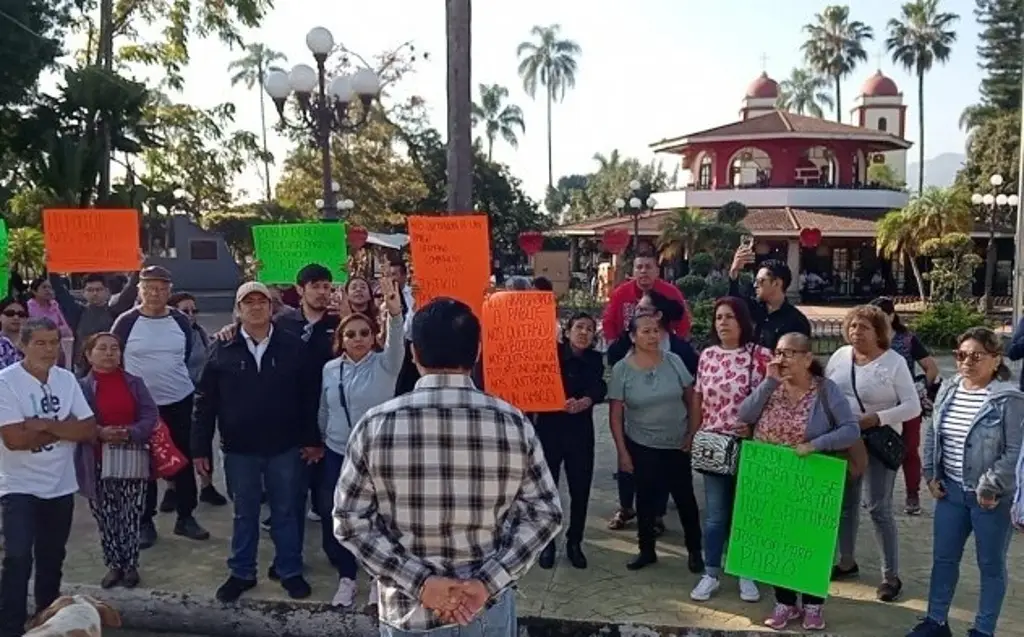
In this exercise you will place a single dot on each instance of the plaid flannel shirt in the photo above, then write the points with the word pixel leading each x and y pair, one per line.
pixel 445 481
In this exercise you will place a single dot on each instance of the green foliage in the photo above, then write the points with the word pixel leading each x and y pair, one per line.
pixel 692 286
pixel 560 196
pixel 731 213
pixel 953 264
pixel 941 323
pixel 31 33
pixel 701 264
pixel 592 196
pixel 835 45
pixel 883 175
pixel 718 286
pixel 804 92
pixel 993 149
pixel 497 117
pixel 1000 52
pixel 25 252
pixel 235 224
pixel 703 320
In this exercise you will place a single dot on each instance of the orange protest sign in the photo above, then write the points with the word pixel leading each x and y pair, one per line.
pixel 91 240
pixel 521 351
pixel 451 256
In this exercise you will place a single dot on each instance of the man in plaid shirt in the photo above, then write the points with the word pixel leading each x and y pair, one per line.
pixel 445 496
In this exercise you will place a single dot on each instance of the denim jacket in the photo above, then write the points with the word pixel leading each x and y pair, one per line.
pixel 993 442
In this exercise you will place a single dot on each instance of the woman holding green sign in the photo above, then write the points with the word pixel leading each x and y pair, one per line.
pixel 796 406
pixel 970 463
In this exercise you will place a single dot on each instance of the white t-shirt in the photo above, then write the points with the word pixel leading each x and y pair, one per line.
pixel 884 385
pixel 47 472
pixel 155 352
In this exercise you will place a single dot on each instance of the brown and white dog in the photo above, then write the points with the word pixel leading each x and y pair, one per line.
pixel 73 616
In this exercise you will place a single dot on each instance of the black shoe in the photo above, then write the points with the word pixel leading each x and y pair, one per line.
pixel 889 591
pixel 131 578
pixel 839 573
pixel 210 495
pixel 297 587
pixel 547 556
pixel 272 574
pixel 170 502
pixel 932 628
pixel 188 527
pixel 112 578
pixel 232 589
pixel 575 554
pixel 147 534
pixel 695 562
pixel 659 527
pixel 643 558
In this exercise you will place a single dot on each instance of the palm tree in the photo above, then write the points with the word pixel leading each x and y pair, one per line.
pixel 497 117
pixel 549 62
pixel 921 37
pixel 835 45
pixel 804 92
pixel 251 69
pixel 682 231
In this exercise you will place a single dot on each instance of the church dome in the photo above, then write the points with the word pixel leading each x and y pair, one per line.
pixel 763 87
pixel 878 85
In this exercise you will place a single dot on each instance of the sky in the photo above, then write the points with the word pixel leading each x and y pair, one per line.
pixel 650 69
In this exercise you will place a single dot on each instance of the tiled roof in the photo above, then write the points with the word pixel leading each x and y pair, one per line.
pixel 782 123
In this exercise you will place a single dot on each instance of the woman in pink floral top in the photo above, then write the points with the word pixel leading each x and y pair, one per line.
pixel 43 305
pixel 12 315
pixel 796 406
pixel 726 374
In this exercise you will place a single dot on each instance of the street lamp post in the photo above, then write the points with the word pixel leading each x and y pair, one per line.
pixel 993 202
pixel 635 207
pixel 323 105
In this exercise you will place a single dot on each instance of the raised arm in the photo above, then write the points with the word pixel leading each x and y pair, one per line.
pixel 752 406
pixel 69 306
pixel 126 299
pixel 394 346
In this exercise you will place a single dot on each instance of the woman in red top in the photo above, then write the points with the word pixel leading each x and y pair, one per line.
pixel 126 415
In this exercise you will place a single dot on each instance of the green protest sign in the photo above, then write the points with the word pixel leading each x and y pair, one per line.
pixel 5 271
pixel 284 249
pixel 785 518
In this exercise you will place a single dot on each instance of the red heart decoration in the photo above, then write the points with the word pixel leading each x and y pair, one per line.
pixel 357 237
pixel 810 237
pixel 531 242
pixel 615 240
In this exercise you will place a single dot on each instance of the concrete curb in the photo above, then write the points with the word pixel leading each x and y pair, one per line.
pixel 174 612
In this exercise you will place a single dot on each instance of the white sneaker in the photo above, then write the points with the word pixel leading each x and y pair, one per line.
pixel 749 591
pixel 374 596
pixel 312 516
pixel 346 593
pixel 705 588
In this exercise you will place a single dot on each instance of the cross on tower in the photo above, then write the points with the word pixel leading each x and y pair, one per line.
pixel 764 62
pixel 878 58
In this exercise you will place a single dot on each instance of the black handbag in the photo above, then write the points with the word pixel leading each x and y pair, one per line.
pixel 882 442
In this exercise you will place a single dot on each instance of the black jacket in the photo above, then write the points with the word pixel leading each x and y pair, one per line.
pixel 769 327
pixel 618 350
pixel 319 342
pixel 582 377
pixel 260 412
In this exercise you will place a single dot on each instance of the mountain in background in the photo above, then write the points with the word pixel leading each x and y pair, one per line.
pixel 940 170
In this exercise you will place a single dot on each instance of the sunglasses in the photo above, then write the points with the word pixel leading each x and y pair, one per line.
pixel 975 357
pixel 363 333
pixel 15 313
pixel 789 353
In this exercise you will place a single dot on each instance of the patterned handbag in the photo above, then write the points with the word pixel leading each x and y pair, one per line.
pixel 715 453
pixel 124 462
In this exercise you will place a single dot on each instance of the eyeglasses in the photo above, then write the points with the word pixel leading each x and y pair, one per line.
pixel 762 281
pixel 15 313
pixel 975 357
pixel 363 333
pixel 189 312
pixel 789 353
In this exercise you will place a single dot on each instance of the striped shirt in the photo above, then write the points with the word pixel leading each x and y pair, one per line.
pixel 956 424
pixel 446 481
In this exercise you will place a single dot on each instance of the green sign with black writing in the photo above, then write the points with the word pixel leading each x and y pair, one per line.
pixel 785 518
pixel 5 280
pixel 284 249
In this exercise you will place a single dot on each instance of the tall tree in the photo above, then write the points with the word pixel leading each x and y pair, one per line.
pixel 458 27
pixel 804 92
pixel 834 46
pixel 919 38
pixel 498 117
pixel 999 58
pixel 251 69
pixel 548 61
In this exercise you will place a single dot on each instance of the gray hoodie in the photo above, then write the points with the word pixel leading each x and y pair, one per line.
pixel 993 444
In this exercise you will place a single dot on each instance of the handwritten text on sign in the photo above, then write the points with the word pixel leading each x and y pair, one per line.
pixel 451 256
pixel 284 249
pixel 521 351
pixel 91 240
pixel 785 517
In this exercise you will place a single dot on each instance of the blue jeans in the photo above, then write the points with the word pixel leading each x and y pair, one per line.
pixel 956 516
pixel 284 477
pixel 32 527
pixel 339 556
pixel 719 492
pixel 497 621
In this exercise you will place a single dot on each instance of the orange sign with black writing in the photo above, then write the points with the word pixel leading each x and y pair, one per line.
pixel 451 256
pixel 91 240
pixel 521 350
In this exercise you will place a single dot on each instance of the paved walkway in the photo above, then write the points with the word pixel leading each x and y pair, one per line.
pixel 606 591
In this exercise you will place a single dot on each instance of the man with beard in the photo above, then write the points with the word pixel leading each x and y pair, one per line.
pixel 774 316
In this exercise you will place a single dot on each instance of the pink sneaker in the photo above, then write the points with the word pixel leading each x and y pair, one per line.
pixel 781 616
pixel 813 619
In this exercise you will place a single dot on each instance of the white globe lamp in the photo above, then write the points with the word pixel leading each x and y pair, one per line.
pixel 302 78
pixel 277 85
pixel 366 83
pixel 320 41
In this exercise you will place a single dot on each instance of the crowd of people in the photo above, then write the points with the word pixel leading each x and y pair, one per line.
pixel 350 406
